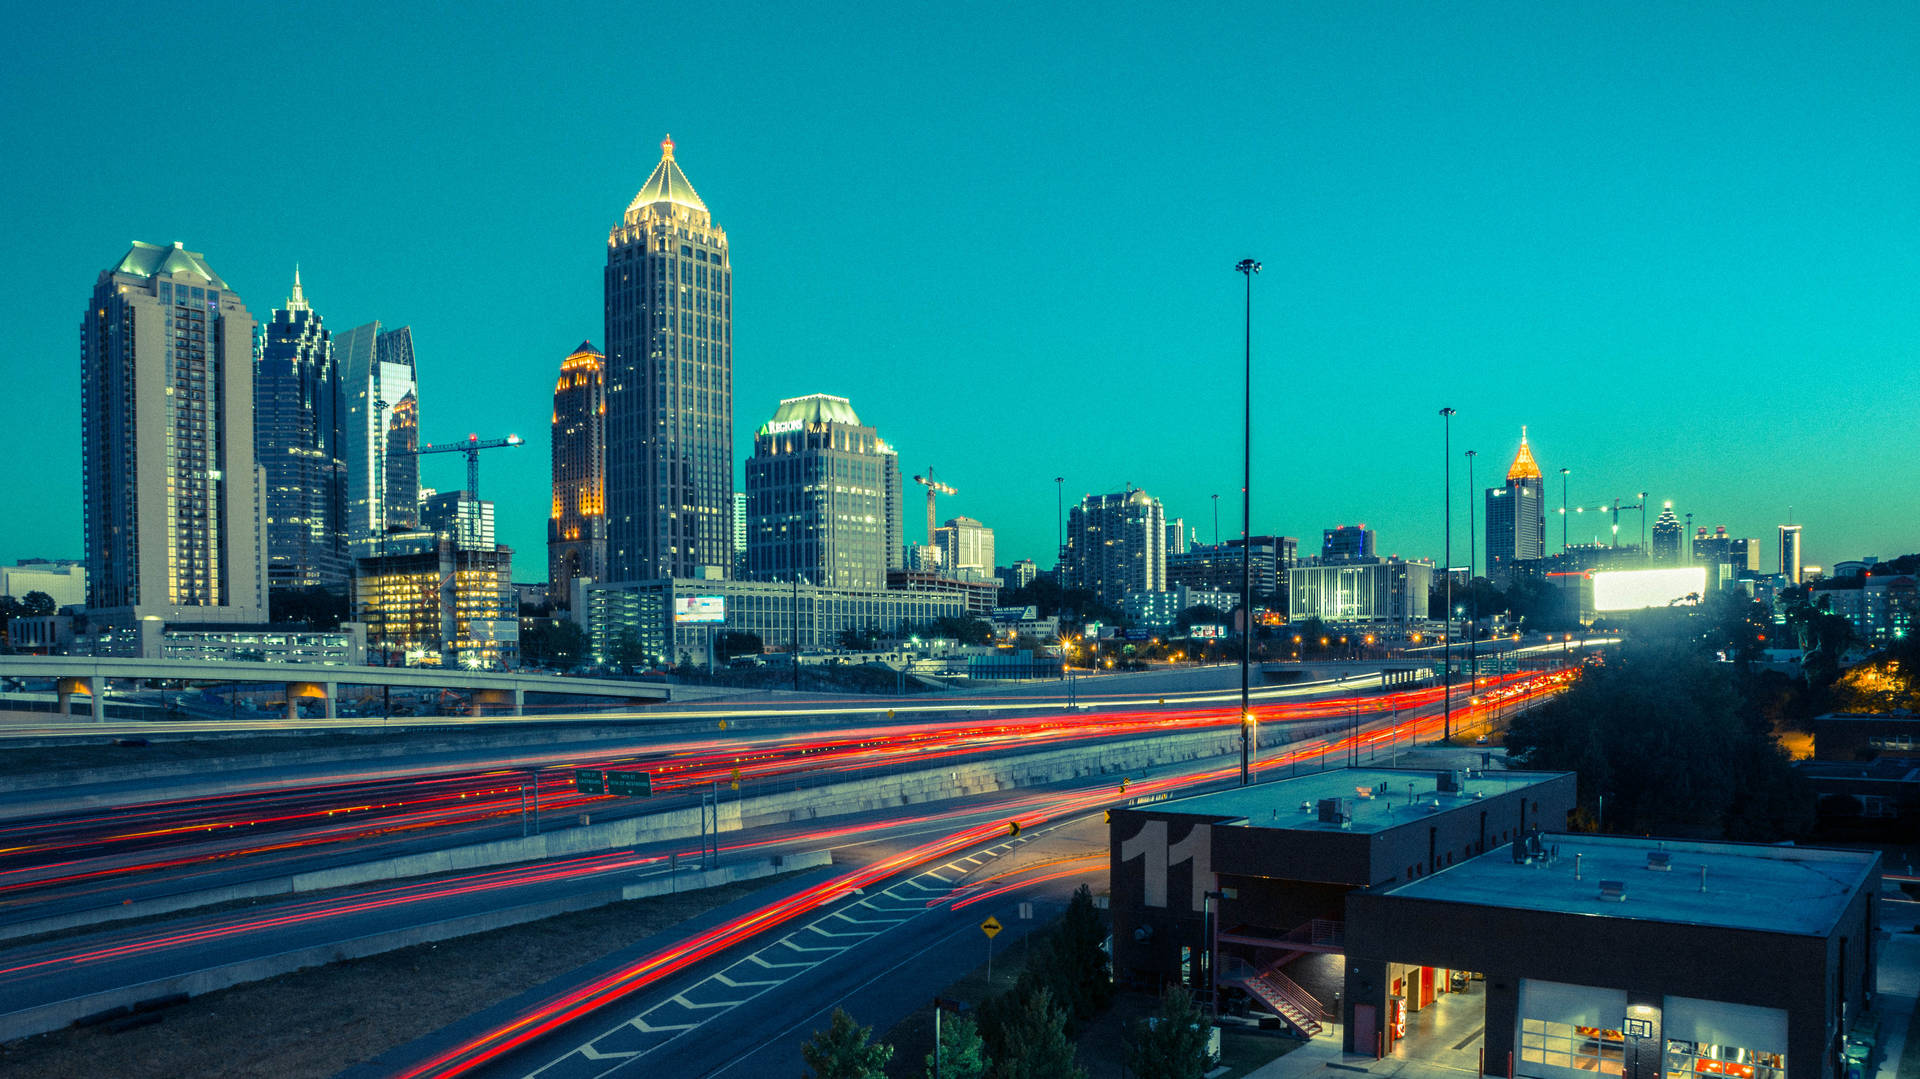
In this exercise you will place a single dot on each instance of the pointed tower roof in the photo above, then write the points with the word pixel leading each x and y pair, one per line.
pixel 297 301
pixel 667 184
pixel 1524 467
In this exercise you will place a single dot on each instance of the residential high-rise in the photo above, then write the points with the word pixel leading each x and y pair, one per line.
pixel 1176 536
pixel 1117 544
pixel 381 406
pixel 1790 553
pixel 173 511
pixel 818 487
pixel 1346 543
pixel 297 438
pixel 739 528
pixel 966 547
pixel 1516 516
pixel 577 525
pixel 669 334
pixel 1667 535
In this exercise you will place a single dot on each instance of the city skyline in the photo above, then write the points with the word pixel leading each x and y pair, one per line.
pixel 1687 232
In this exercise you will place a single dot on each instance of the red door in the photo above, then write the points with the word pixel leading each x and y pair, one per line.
pixel 1426 986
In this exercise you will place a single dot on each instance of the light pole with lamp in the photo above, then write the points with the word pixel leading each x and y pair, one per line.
pixel 1059 529
pixel 1216 523
pixel 1563 511
pixel 1473 594
pixel 1247 268
pixel 1446 570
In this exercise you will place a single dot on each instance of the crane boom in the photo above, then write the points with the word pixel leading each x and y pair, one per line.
pixel 934 487
pixel 471 447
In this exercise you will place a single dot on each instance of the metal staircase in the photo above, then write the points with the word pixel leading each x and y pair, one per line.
pixel 1294 1005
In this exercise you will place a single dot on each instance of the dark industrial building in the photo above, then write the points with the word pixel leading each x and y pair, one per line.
pixel 1614 955
pixel 1275 863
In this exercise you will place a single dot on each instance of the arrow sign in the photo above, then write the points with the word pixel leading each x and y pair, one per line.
pixel 991 927
pixel 1013 828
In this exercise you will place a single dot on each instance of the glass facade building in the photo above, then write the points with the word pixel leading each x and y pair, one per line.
pixel 669 378
pixel 172 510
pixel 298 438
pixel 819 485
pixel 381 409
pixel 577 523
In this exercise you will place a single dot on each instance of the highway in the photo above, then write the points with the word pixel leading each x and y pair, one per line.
pixel 76 965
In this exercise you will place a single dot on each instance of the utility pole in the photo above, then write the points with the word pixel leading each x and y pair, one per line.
pixel 1473 593
pixel 1446 570
pixel 1247 268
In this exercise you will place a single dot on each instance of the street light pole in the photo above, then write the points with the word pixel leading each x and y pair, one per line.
pixel 1446 571
pixel 1059 530
pixel 1247 268
pixel 1473 594
pixel 1563 511
pixel 1216 523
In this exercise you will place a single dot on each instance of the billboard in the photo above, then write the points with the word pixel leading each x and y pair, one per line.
pixel 699 609
pixel 1207 631
pixel 1636 589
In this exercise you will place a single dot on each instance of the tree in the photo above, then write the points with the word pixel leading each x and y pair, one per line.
pixel 37 603
pixel 736 643
pixel 843 1051
pixel 1673 742
pixel 1173 1043
pixel 625 652
pixel 560 644
pixel 1032 1039
pixel 962 1054
pixel 1200 615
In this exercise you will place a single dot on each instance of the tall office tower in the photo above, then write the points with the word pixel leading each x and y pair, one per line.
pixel 669 333
pixel 1745 555
pixel 739 526
pixel 459 518
pixel 1790 553
pixel 382 422
pixel 297 435
pixel 173 512
pixel 1667 535
pixel 1711 550
pixel 966 547
pixel 1176 536
pixel 1117 544
pixel 1516 516
pixel 818 488
pixel 1346 543
pixel 577 525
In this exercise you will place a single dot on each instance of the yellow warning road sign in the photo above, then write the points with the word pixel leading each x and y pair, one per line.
pixel 991 927
pixel 1013 828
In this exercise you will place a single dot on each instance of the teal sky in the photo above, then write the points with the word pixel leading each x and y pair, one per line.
pixel 1677 241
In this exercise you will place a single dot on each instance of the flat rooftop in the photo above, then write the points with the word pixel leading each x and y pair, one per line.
pixel 1796 890
pixel 1396 796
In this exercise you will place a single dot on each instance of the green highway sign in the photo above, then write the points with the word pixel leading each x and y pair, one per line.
pixel 632 784
pixel 589 781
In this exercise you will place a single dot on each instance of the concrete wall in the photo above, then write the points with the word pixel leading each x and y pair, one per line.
pixel 52 1016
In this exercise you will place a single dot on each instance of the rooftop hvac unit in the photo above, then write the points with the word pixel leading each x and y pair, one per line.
pixel 1659 861
pixel 1613 891
pixel 1452 782
pixel 1332 811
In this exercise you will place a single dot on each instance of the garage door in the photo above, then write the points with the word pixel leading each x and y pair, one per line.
pixel 1570 1030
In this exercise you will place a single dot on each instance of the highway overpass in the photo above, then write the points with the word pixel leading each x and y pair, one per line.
pixel 503 692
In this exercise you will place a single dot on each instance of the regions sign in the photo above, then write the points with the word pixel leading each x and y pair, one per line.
pixel 699 609
pixel 1637 589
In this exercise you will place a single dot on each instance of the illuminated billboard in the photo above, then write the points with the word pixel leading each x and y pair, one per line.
pixel 1636 589
pixel 1207 631
pixel 699 609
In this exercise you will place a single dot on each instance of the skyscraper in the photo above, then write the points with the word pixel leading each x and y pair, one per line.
pixel 966 547
pixel 1667 536
pixel 1346 543
pixel 297 437
pixel 818 487
pixel 1516 516
pixel 1790 553
pixel 173 514
pixel 1117 544
pixel 669 333
pixel 381 406
pixel 577 526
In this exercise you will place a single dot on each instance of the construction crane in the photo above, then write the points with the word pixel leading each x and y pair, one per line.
pixel 472 447
pixel 1617 509
pixel 934 487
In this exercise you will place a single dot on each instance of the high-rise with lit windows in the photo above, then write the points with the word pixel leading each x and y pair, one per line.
pixel 669 373
pixel 298 439
pixel 173 514
pixel 380 401
pixel 1516 516
pixel 819 487
pixel 577 525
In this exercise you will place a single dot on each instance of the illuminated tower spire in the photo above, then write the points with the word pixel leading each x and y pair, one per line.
pixel 1524 466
